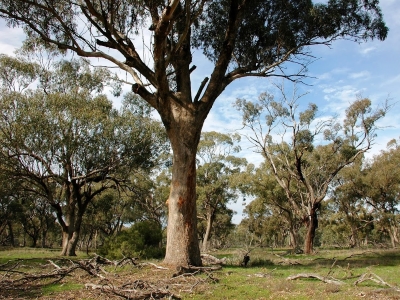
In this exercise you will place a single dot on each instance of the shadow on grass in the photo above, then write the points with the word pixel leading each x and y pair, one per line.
pixel 27 292
pixel 357 259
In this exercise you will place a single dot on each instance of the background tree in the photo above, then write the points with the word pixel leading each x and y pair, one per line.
pixel 351 217
pixel 303 168
pixel 271 203
pixel 242 38
pixel 9 208
pixel 105 216
pixel 36 217
pixel 382 186
pixel 217 167
pixel 65 139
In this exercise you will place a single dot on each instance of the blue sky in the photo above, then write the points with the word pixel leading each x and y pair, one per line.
pixel 339 74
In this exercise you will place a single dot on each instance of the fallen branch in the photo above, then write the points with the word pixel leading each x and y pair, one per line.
pixel 286 261
pixel 316 276
pixel 154 265
pixel 97 259
pixel 212 260
pixel 135 292
pixel 191 269
pixel 375 278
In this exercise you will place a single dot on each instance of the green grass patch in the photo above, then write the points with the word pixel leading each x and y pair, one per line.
pixel 267 273
pixel 56 288
pixel 34 254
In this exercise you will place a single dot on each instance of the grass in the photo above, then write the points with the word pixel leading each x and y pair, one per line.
pixel 264 278
pixel 52 289
pixel 7 254
pixel 347 266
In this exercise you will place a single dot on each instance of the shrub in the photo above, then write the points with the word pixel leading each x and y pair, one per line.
pixel 141 239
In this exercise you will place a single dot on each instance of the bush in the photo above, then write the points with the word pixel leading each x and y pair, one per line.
pixel 141 239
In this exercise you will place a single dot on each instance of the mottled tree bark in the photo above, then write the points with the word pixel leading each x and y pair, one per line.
pixel 182 242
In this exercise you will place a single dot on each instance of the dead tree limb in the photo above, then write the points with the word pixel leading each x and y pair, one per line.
pixel 133 291
pixel 287 261
pixel 375 278
pixel 316 276
pixel 191 269
pixel 212 260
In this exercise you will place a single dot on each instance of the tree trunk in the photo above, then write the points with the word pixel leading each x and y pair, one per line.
pixel 392 230
pixel 353 242
pixel 208 232
pixel 312 226
pixel 70 232
pixel 34 238
pixel 11 233
pixel 293 237
pixel 395 232
pixel 182 242
pixel 44 236
pixel 70 240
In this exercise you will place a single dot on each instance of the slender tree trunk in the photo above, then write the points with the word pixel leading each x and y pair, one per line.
pixel 182 242
pixel 44 235
pixel 11 233
pixel 208 232
pixel 393 229
pixel 95 239
pixel 312 226
pixel 293 237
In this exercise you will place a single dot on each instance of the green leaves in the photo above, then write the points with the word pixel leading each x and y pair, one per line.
pixel 17 74
pixel 269 30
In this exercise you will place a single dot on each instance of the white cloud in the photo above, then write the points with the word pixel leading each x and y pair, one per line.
pixel 11 38
pixel 365 50
pixel 362 74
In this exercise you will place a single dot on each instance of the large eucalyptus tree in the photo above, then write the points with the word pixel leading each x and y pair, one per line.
pixel 241 37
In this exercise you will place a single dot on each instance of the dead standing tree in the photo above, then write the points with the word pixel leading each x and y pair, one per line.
pixel 242 38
